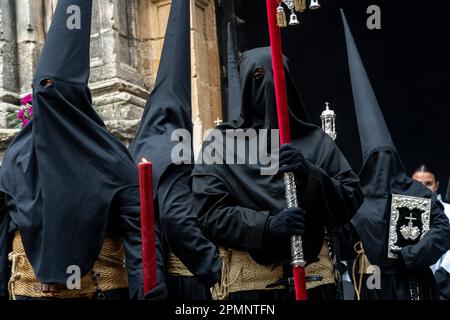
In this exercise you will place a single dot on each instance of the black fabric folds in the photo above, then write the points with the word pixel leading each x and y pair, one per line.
pixel 5 247
pixel 373 130
pixel 168 109
pixel 234 200
pixel 382 175
pixel 64 169
pixel 169 105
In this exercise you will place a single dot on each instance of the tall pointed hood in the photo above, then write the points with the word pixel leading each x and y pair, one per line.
pixel 66 54
pixel 63 170
pixel 169 105
pixel 382 173
pixel 234 79
pixel 373 130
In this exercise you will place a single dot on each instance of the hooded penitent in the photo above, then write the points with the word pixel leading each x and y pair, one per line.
pixel 63 170
pixel 382 175
pixel 168 109
pixel 235 200
pixel 169 105
pixel 234 81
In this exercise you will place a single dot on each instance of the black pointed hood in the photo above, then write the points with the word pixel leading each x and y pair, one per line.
pixel 382 173
pixel 169 105
pixel 234 80
pixel 66 54
pixel 373 130
pixel 64 169
pixel 257 102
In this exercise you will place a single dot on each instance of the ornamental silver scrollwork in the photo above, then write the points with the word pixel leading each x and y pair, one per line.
pixel 292 202
pixel 408 231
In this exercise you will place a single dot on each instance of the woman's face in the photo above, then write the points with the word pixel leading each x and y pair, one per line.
pixel 427 179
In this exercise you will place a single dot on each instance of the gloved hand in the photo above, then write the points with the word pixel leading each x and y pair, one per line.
pixel 289 222
pixel 292 160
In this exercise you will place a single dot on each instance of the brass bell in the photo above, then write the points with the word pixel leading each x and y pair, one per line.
pixel 314 5
pixel 293 20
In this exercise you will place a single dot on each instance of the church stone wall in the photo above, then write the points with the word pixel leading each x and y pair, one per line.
pixel 126 43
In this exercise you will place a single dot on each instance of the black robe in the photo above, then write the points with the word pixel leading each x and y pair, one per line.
pixel 234 201
pixel 180 231
pixel 381 176
pixel 5 247
pixel 443 282
pixel 168 109
pixel 67 181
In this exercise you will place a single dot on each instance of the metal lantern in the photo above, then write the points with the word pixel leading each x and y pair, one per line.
pixel 329 122
pixel 293 6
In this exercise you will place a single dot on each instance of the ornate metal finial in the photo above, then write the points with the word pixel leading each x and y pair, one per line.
pixel 328 118
pixel 293 6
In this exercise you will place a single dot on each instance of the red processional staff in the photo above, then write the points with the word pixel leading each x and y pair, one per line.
pixel 276 19
pixel 147 226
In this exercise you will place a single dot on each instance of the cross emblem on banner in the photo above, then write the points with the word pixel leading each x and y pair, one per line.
pixel 410 218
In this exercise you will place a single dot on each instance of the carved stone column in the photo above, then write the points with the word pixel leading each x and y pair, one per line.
pixel 206 96
pixel 126 44
pixel 8 59
pixel 118 79
pixel 21 40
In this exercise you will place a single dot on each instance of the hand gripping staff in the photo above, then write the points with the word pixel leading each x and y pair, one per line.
pixel 298 261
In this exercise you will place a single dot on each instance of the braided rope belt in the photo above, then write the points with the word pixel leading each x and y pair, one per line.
pixel 176 268
pixel 108 274
pixel 241 273
pixel 323 268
